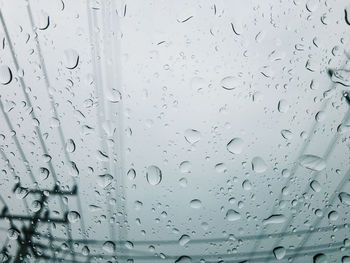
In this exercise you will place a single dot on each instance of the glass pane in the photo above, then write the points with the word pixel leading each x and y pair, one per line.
pixel 174 131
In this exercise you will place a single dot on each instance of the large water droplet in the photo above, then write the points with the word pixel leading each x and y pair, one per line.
pixel 153 175
pixel 312 162
pixel 258 165
pixel 235 146
pixel 5 75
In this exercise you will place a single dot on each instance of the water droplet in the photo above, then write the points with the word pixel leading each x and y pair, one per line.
pixel 312 162
pixel 315 186
pixel 43 173
pixel 320 258
pixel 71 58
pixel 131 174
pixel 47 158
pixel 279 252
pixel 220 168
pixel 73 217
pixel 283 106
pixel 333 216
pixel 184 239
pixel 70 146
pixel 109 247
pixel 192 136
pixel 196 204
pixel 13 234
pixel 228 83
pixel 43 21
pixel 5 75
pixel 345 259
pixel 235 146
pixel 246 185
pixel 185 167
pixel 274 219
pixel 184 259
pixel 85 251
pixel 73 169
pixel 258 165
pixel 344 198
pixel 114 96
pixel 320 116
pixel 129 245
pixel 153 175
pixel 183 182
pixel 232 215
pixel 35 206
pixel 104 180
pixel 287 134
pixel 341 76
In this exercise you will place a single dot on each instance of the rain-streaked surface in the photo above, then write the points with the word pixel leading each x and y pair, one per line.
pixel 175 131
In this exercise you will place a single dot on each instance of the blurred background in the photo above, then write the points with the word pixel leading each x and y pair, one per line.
pixel 174 131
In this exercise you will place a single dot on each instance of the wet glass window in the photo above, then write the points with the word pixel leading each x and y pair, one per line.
pixel 174 131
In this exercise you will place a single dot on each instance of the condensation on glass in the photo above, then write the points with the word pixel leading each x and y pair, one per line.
pixel 174 131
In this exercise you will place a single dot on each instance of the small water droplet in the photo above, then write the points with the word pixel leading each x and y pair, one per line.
pixel 71 58
pixel 274 219
pixel 312 162
pixel 258 165
pixel 73 217
pixel 228 83
pixel 283 106
pixel 279 252
pixel 196 204
pixel 70 146
pixel 235 146
pixel 315 186
pixel 184 239
pixel 5 75
pixel 192 136
pixel 344 198
pixel 109 247
pixel 320 258
pixel 232 215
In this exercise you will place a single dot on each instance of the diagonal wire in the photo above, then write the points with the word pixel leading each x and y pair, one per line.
pixel 328 152
pixel 32 113
pixel 295 167
pixel 53 107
